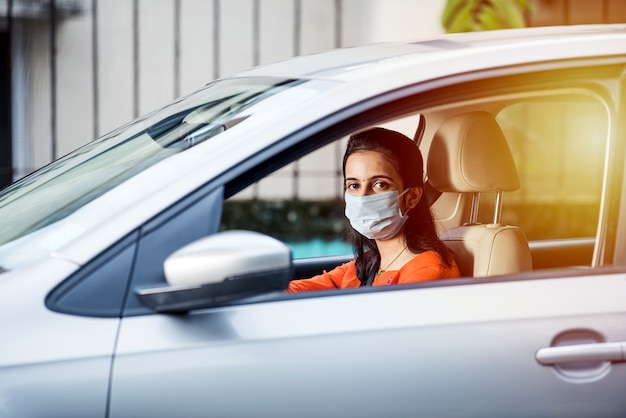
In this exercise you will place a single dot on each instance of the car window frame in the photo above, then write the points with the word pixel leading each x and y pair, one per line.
pixel 616 195
pixel 503 85
pixel 393 104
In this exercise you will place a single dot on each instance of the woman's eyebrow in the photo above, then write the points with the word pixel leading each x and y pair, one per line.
pixel 376 176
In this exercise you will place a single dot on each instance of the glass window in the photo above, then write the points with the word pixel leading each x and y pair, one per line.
pixel 302 203
pixel 559 148
pixel 61 188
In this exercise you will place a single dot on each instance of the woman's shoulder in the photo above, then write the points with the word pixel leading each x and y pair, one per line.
pixel 433 262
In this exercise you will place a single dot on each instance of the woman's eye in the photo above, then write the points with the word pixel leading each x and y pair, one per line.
pixel 380 185
pixel 352 186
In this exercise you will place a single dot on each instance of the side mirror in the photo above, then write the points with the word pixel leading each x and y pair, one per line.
pixel 220 269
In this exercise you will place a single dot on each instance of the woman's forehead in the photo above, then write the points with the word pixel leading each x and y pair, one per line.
pixel 367 164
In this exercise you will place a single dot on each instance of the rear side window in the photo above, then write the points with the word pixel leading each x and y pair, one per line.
pixel 559 148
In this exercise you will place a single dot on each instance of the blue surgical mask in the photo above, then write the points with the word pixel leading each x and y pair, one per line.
pixel 376 216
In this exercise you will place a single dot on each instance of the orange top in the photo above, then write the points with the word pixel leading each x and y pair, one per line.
pixel 423 267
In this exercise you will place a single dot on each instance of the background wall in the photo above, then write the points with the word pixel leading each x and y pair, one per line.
pixel 73 70
pixel 87 66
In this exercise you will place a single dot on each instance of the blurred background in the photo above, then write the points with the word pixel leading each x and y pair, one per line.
pixel 72 70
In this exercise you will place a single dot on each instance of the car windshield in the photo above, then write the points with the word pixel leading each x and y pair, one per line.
pixel 67 184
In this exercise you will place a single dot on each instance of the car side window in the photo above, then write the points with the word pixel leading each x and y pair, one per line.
pixel 559 148
pixel 302 203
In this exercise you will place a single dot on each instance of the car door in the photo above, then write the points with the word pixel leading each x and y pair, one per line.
pixel 542 343
pixel 447 349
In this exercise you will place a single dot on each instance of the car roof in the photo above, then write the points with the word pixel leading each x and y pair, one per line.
pixel 485 49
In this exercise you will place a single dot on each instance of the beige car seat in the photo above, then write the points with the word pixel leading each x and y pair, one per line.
pixel 469 154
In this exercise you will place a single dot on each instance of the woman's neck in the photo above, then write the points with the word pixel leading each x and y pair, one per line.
pixel 393 253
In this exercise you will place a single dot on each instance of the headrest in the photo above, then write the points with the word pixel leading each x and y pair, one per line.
pixel 469 153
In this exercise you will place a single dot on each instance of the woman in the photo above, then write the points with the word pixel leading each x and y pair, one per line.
pixel 393 232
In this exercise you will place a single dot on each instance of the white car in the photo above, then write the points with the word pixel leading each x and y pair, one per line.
pixel 143 274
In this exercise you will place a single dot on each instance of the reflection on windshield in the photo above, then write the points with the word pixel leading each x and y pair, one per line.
pixel 62 187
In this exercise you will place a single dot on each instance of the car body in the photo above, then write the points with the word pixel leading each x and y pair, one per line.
pixel 117 289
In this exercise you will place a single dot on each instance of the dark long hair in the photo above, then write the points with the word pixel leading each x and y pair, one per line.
pixel 419 230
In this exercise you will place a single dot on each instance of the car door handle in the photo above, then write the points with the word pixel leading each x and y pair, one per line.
pixel 593 352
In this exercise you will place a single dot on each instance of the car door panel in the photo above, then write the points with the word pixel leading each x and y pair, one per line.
pixel 562 253
pixel 394 352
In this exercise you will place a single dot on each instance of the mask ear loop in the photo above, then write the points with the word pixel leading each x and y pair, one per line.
pixel 402 194
pixel 399 196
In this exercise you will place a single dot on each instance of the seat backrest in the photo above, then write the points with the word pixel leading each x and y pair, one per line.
pixel 469 154
pixel 489 250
